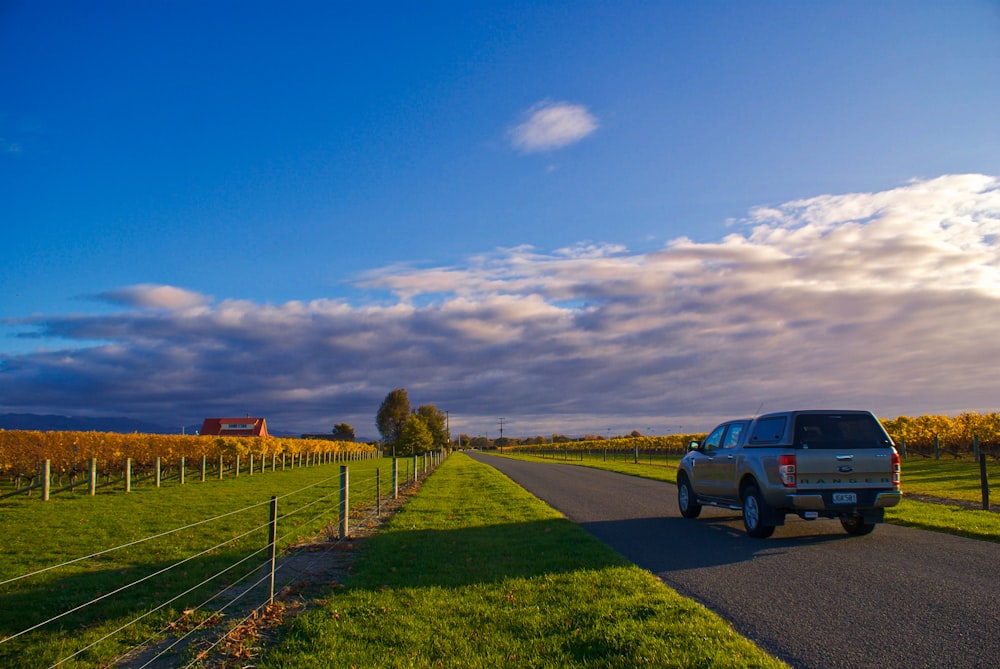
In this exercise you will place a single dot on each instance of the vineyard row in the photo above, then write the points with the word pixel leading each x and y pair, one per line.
pixel 23 452
pixel 130 473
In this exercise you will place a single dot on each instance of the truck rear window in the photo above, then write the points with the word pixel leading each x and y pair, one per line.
pixel 839 431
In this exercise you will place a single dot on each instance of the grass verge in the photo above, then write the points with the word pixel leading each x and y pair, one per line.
pixel 983 525
pixel 476 572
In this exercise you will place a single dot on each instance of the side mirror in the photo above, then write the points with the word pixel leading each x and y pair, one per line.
pixel 694 446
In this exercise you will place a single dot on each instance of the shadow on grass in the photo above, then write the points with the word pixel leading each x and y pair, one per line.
pixel 39 599
pixel 479 555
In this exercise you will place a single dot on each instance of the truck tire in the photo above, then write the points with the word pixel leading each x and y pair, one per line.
pixel 856 525
pixel 754 512
pixel 686 500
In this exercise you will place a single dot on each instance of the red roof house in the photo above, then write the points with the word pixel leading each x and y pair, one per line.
pixel 235 427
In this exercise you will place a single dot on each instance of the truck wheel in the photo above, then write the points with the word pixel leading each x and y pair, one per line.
pixel 856 525
pixel 686 500
pixel 754 509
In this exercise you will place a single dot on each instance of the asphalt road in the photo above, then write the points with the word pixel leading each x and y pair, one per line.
pixel 811 595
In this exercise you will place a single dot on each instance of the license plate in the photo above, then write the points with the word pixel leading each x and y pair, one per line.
pixel 845 498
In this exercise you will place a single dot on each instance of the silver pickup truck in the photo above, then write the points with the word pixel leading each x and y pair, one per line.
pixel 816 464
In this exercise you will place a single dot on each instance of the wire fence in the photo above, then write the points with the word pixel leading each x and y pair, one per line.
pixel 236 591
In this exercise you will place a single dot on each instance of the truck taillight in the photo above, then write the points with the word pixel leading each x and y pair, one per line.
pixel 896 469
pixel 786 470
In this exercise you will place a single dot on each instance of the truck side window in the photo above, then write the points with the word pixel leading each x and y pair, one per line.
pixel 768 430
pixel 733 435
pixel 712 441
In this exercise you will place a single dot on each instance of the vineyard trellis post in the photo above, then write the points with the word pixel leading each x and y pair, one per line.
pixel 128 474
pixel 343 502
pixel 46 479
pixel 984 482
pixel 92 484
pixel 181 468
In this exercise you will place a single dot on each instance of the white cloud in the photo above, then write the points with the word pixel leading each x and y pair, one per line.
pixel 552 125
pixel 150 296
pixel 888 301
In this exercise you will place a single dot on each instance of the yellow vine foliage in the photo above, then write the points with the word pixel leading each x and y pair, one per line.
pixel 671 442
pixel 22 451
pixel 953 433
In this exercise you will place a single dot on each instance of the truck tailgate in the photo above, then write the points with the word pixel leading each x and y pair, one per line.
pixel 827 469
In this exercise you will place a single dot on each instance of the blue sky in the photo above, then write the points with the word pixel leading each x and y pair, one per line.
pixel 584 217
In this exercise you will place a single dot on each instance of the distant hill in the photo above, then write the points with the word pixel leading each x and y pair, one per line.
pixel 30 421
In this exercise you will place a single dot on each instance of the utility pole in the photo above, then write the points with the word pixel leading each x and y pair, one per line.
pixel 501 429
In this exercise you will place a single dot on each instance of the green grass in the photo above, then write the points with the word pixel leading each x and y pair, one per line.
pixel 476 572
pixel 974 524
pixel 948 479
pixel 35 535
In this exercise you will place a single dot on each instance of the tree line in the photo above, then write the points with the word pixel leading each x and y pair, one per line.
pixel 407 431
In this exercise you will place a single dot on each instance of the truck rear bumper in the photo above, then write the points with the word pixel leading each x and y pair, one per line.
pixel 886 499
pixel 820 502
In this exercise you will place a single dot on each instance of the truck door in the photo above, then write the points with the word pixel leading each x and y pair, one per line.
pixel 720 470
pixel 702 460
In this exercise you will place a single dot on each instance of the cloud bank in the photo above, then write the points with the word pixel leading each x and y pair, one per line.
pixel 887 300
pixel 552 125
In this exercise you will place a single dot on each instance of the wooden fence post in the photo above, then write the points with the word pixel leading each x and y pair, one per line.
pixel 156 470
pixel 237 465
pixel 92 487
pixel 204 467
pixel 343 502
pixel 182 470
pixel 251 464
pixel 984 482
pixel 272 540
pixel 220 466
pixel 46 479
pixel 128 474
pixel 395 478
